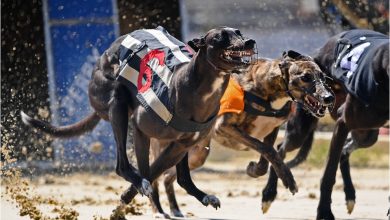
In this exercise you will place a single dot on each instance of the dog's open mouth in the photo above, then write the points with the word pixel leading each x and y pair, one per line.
pixel 315 107
pixel 238 56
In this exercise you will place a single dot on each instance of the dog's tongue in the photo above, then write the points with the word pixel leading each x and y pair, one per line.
pixel 312 101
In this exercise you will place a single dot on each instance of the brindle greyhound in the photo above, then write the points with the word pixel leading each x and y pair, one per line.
pixel 350 114
pixel 275 82
pixel 300 134
pixel 200 82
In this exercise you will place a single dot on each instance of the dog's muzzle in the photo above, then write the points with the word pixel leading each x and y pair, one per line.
pixel 241 55
pixel 319 100
pixel 316 99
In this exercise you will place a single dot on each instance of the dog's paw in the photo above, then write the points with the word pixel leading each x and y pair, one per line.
pixel 146 188
pixel 325 215
pixel 288 179
pixel 163 215
pixel 265 206
pixel 211 200
pixel 293 188
pixel 350 205
pixel 255 170
pixel 177 213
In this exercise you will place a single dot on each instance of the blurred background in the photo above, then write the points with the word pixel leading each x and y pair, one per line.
pixel 49 47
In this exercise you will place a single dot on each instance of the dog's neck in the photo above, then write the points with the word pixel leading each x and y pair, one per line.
pixel 265 79
pixel 198 88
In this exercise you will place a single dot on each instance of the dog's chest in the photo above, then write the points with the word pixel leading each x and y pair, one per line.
pixel 261 126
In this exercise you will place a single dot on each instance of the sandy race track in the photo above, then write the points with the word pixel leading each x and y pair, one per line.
pixel 95 196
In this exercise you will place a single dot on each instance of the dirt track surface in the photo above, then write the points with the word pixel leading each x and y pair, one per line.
pixel 240 196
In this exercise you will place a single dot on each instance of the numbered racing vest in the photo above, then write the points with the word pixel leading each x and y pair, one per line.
pixel 148 58
pixel 354 53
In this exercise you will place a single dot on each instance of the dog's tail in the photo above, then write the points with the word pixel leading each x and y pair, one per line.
pixel 85 125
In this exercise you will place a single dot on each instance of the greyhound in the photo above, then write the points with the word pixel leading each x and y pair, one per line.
pixel 199 82
pixel 269 87
pixel 300 134
pixel 351 114
pixel 363 112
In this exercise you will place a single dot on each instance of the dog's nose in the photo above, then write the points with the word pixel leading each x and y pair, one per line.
pixel 250 43
pixel 329 99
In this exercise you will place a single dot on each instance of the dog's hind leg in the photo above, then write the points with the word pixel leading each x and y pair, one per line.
pixel 168 158
pixel 349 189
pixel 185 181
pixel 303 152
pixel 142 148
pixel 360 138
pixel 299 134
pixel 155 202
pixel 118 116
pixel 158 211
pixel 169 178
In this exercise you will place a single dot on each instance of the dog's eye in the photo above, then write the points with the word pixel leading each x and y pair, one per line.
pixel 321 76
pixel 238 32
pixel 217 38
pixel 306 78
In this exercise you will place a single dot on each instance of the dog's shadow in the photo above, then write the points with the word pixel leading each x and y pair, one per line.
pixel 275 218
pixel 195 218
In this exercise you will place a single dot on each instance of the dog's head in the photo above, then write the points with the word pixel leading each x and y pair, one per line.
pixel 225 48
pixel 305 83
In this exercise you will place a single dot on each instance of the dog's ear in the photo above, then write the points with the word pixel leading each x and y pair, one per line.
pixel 295 55
pixel 284 66
pixel 197 43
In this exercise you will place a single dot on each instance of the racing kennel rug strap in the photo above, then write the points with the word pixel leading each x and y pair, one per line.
pixel 354 53
pixel 148 58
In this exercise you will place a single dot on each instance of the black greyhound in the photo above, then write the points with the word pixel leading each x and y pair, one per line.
pixel 293 77
pixel 352 114
pixel 194 93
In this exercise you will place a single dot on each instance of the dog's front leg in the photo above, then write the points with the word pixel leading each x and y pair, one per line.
pixel 340 134
pixel 259 169
pixel 185 181
pixel 118 116
pixel 299 134
pixel 268 152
